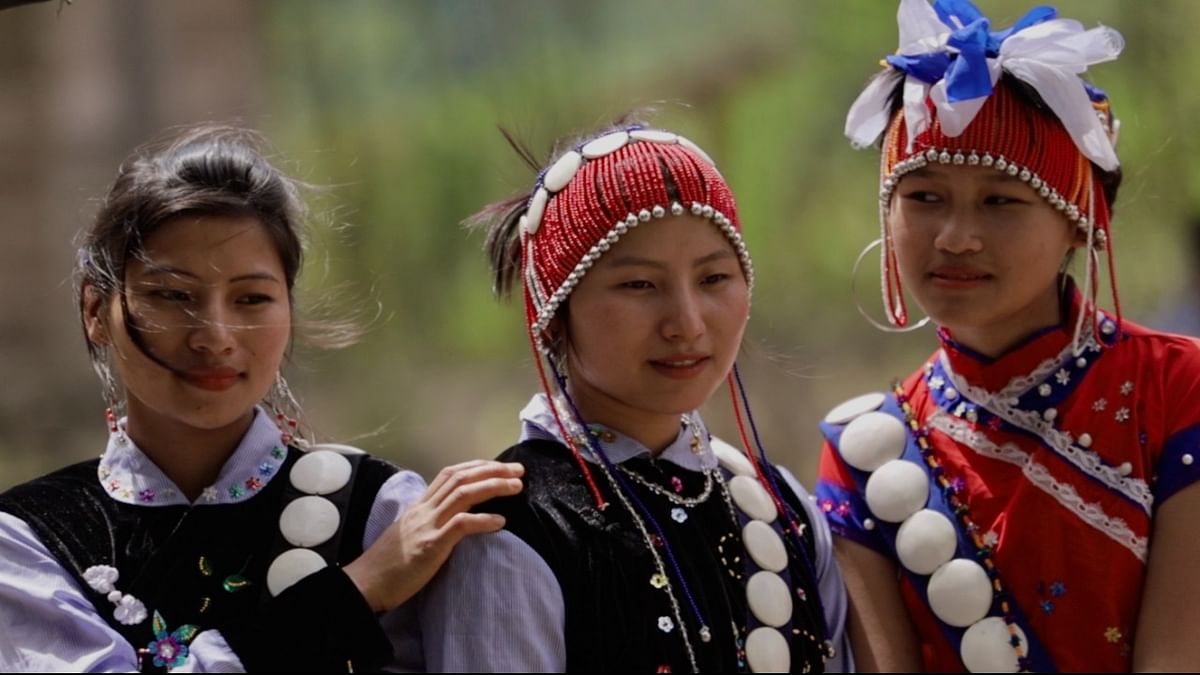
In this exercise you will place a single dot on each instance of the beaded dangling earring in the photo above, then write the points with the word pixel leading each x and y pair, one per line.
pixel 115 408
pixel 283 403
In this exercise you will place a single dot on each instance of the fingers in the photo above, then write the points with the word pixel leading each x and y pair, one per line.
pixel 466 524
pixel 470 494
pixel 445 474
pixel 453 477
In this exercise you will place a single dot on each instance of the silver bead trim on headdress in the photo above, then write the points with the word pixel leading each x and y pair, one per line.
pixel 956 157
pixel 559 175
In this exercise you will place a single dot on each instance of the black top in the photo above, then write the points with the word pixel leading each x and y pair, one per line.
pixel 206 565
pixel 616 618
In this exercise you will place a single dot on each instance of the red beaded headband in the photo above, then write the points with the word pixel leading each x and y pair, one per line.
pixel 1006 135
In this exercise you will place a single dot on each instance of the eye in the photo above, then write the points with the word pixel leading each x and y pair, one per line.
pixel 637 285
pixel 1002 200
pixel 715 278
pixel 923 197
pixel 255 299
pixel 171 295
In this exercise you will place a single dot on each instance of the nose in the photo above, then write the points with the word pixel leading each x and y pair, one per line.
pixel 211 332
pixel 958 233
pixel 684 319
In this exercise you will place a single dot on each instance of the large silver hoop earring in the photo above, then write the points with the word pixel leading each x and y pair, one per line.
pixel 886 328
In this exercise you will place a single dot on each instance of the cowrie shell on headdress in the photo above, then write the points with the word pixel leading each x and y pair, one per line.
pixel 654 136
pixel 561 173
pixel 537 207
pixel 605 145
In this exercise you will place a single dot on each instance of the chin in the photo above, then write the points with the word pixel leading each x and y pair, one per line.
pixel 217 417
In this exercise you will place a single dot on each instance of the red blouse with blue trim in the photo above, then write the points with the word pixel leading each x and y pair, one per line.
pixel 1024 536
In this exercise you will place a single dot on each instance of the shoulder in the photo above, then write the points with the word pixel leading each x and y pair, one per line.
pixel 556 498
pixel 59 489
pixel 1180 347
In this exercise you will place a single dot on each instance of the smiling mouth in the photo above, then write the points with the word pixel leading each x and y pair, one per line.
pixel 959 277
pixel 681 363
pixel 682 369
pixel 217 380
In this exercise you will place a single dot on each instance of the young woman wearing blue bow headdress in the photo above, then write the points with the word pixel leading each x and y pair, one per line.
pixel 1033 484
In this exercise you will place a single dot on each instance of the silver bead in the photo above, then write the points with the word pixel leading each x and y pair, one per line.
pixel 1013 169
pixel 677 209
pixel 1044 192
pixel 973 159
pixel 1085 440
pixel 1001 163
pixel 931 155
pixel 697 209
pixel 1049 414
pixel 621 228
pixel 643 215
pixel 1045 389
pixel 707 211
pixel 658 211
pixel 631 220
pixel 1080 362
pixel 959 159
pixel 1035 182
pixel 944 158
pixel 987 160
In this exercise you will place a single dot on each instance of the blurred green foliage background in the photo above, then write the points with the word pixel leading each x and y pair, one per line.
pixel 393 107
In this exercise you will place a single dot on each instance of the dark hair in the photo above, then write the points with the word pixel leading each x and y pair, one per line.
pixel 1109 180
pixel 208 170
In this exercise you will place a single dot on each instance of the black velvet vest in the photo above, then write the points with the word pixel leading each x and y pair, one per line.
pixel 203 565
pixel 616 619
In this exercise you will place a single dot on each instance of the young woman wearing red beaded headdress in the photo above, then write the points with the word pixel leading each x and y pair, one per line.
pixel 641 543
pixel 1022 501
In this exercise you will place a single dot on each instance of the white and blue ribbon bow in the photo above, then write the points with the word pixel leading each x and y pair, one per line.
pixel 948 54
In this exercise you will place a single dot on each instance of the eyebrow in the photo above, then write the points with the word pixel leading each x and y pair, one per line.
pixel 154 269
pixel 636 261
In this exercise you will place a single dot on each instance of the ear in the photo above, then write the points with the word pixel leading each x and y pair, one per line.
pixel 94 307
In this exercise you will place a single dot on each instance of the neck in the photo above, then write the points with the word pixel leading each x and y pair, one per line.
pixel 656 431
pixel 998 338
pixel 192 458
